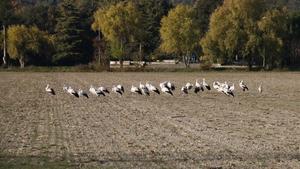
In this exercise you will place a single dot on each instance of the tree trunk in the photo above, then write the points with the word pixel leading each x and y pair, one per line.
pixel 22 62
pixel 4 45
pixel 121 63
pixel 264 59
pixel 250 62
pixel 186 59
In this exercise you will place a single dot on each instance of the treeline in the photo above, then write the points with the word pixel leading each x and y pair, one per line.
pixel 72 32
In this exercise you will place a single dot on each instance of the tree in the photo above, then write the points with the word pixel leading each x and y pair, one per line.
pixel 68 35
pixel 152 12
pixel 6 16
pixel 179 32
pixel 24 42
pixel 273 28
pixel 203 10
pixel 43 15
pixel 120 25
pixel 292 42
pixel 234 31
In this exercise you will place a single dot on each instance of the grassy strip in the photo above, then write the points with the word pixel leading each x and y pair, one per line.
pixel 9 162
pixel 88 68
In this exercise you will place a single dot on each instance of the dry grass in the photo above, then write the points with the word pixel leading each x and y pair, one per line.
pixel 211 130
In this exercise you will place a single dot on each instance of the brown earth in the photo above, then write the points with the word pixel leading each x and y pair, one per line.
pixel 209 130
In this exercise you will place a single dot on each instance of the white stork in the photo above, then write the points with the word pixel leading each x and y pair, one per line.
pixel 136 90
pixel 72 92
pixel 206 85
pixel 171 86
pixel 152 88
pixel 144 89
pixel 121 88
pixel 243 86
pixel 96 92
pixel 118 89
pixel 189 86
pixel 103 89
pixel 185 89
pixel 198 87
pixel 82 93
pixel 260 90
pixel 49 90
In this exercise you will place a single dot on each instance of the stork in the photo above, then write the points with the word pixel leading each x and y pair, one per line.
pixel 206 85
pixel 152 88
pixel 96 92
pixel 260 90
pixel 118 89
pixel 49 90
pixel 171 86
pixel 189 86
pixel 166 90
pixel 144 89
pixel 243 86
pixel 82 93
pixel 136 90
pixel 198 87
pixel 231 88
pixel 72 92
pixel 103 89
pixel 121 88
pixel 185 89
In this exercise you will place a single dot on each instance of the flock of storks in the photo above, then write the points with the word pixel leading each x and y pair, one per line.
pixel 166 87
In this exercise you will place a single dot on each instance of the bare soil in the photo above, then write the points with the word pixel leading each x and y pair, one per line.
pixel 208 130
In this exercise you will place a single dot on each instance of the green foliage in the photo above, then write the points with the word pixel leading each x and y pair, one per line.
pixel 179 32
pixel 152 12
pixel 44 16
pixel 68 42
pixel 24 42
pixel 6 12
pixel 203 10
pixel 244 28
pixel 120 25
pixel 273 27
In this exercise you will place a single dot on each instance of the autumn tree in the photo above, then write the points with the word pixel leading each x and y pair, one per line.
pixel 179 32
pixel 26 41
pixel 120 25
pixel 273 28
pixel 233 31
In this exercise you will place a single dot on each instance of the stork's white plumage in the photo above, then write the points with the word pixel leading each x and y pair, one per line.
pixel 231 88
pixel 163 84
pixel 198 87
pixel 152 88
pixel 72 92
pixel 82 93
pixel 121 88
pixel 49 90
pixel 166 90
pixel 144 89
pixel 205 84
pixel 171 86
pixel 216 85
pixel 117 90
pixel 96 92
pixel 243 86
pixel 189 86
pixel 260 90
pixel 103 89
pixel 184 89
pixel 136 90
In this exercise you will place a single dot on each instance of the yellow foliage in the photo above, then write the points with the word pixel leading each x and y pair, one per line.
pixel 178 31
pixel 23 40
